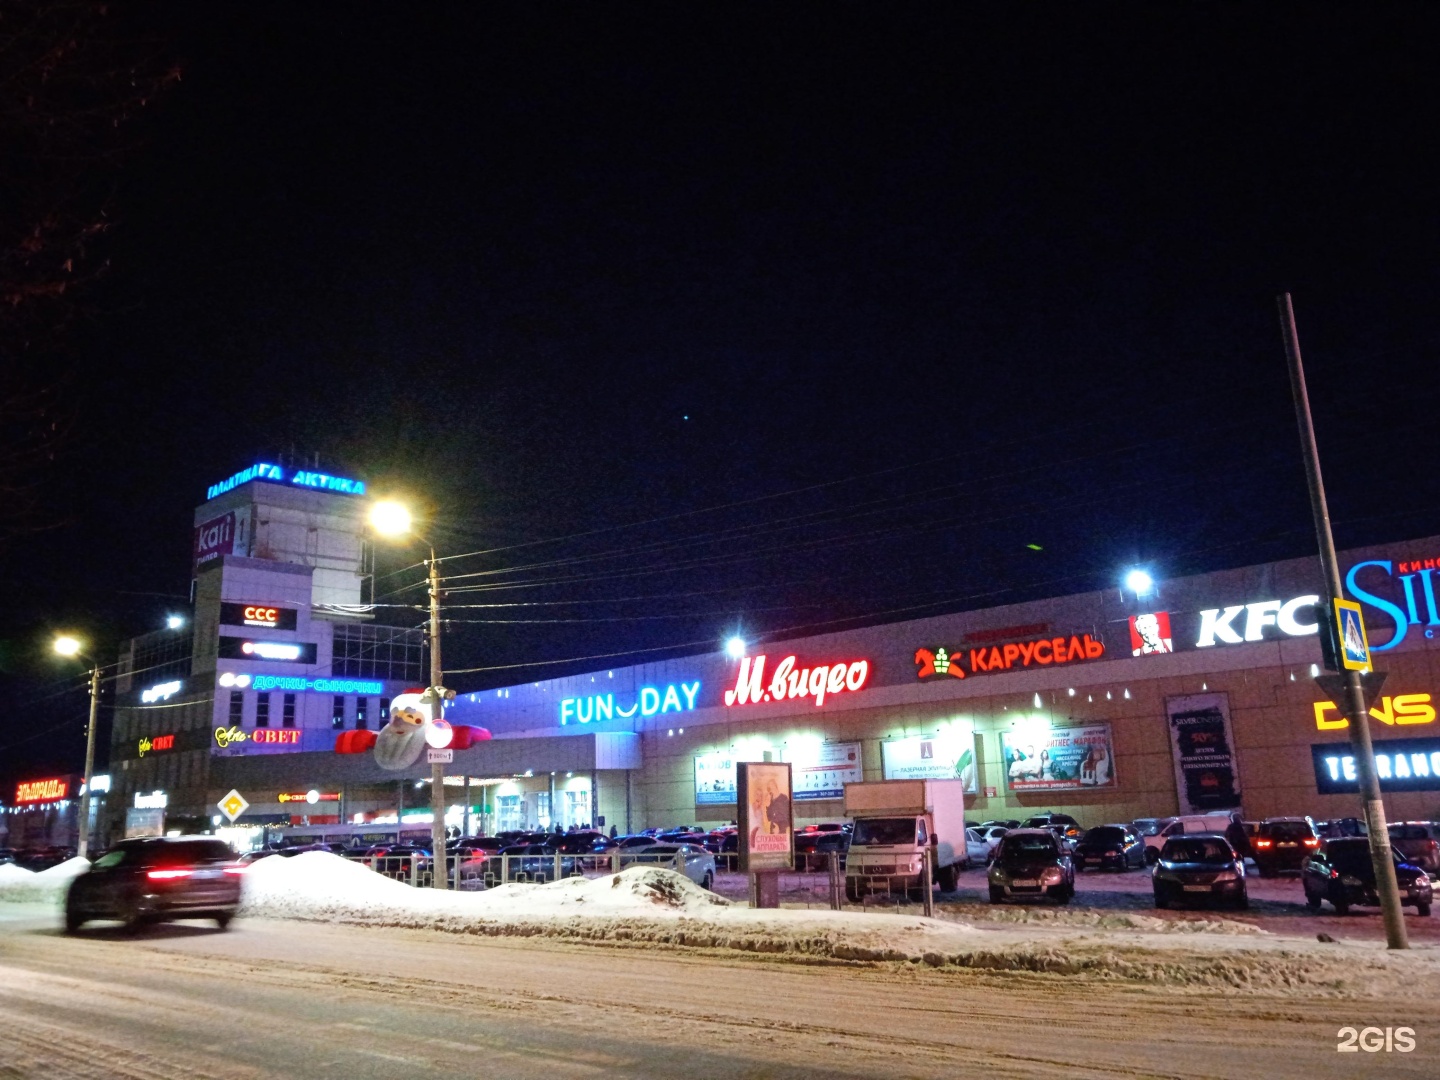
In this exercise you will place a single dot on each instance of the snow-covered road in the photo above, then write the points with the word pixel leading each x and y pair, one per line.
pixel 281 998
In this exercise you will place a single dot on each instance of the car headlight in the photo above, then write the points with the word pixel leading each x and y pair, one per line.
pixel 1052 876
pixel 997 873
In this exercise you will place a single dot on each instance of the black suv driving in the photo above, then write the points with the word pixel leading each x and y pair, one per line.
pixel 157 879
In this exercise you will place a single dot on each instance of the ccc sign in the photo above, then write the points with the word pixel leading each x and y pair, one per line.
pixel 261 616
pixel 267 616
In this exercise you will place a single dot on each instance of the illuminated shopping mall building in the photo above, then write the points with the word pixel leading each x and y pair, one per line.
pixel 1197 695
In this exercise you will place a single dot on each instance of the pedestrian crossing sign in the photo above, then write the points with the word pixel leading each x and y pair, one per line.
pixel 1350 629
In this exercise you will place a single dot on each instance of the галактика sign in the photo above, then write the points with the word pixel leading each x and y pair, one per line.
pixel 278 474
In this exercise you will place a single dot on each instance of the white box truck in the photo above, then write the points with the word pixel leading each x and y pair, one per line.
pixel 895 822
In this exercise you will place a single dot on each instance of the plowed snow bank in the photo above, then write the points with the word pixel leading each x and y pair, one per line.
pixel 19 884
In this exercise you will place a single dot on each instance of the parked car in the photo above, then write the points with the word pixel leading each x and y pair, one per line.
pixel 814 844
pixel 639 840
pixel 1031 863
pixel 992 835
pixel 1110 847
pixel 1199 866
pixel 1189 825
pixel 1342 873
pixel 1419 842
pixel 1339 827
pixel 583 843
pixel 1007 823
pixel 157 879
pixel 1150 826
pixel 1283 844
pixel 43 858
pixel 692 860
pixel 7 855
pixel 977 848
pixel 1066 829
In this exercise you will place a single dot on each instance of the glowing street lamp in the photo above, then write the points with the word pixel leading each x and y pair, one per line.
pixel 69 646
pixel 390 519
pixel 735 647
pixel 1139 582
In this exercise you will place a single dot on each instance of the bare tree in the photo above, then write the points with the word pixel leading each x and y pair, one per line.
pixel 74 74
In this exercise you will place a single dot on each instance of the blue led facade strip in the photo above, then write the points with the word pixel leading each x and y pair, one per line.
pixel 276 474
pixel 320 686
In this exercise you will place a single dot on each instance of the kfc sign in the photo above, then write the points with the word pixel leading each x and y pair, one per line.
pixel 1225 626
pixel 790 681
pixel 267 616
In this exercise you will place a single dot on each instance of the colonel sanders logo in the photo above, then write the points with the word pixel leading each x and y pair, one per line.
pixel 1150 633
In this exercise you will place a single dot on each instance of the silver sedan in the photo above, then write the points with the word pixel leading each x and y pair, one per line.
pixel 689 859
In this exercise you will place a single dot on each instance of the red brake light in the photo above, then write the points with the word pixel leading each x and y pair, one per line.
pixel 166 875
pixel 1262 843
pixel 1312 842
pixel 235 869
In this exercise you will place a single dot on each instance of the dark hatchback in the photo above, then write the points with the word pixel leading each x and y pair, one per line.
pixel 1031 863
pixel 1342 873
pixel 1110 847
pixel 1282 844
pixel 155 880
pixel 1199 868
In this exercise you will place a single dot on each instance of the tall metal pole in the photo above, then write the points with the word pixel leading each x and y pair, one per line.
pixel 1355 711
pixel 437 770
pixel 89 760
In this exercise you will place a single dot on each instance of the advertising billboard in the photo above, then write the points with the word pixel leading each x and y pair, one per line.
pixel 714 779
pixel 1203 747
pixel 767 826
pixel 290 652
pixel 267 616
pixel 228 534
pixel 1059 759
pixel 946 755
pixel 821 770
pixel 1400 764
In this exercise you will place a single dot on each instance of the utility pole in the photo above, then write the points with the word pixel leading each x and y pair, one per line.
pixel 1354 703
pixel 437 769
pixel 89 760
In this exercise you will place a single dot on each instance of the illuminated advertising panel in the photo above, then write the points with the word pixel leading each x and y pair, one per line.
pixel 149 745
pixel 714 779
pixel 290 652
pixel 1401 764
pixel 1058 759
pixel 821 770
pixel 279 474
pixel 267 616
pixel 1202 747
pixel 1400 709
pixel 946 755
pixel 227 534
pixel 766 818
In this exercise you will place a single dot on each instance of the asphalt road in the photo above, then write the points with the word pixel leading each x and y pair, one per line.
pixel 292 1000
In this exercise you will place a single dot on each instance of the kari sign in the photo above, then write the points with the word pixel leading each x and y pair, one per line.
pixel 1202 745
pixel 227 534
pixel 1009 656
pixel 1059 759
pixel 767 824
pixel 650 701
pixel 946 755
pixel 821 770
pixel 38 791
pixel 267 616
pixel 1401 765
pixel 790 681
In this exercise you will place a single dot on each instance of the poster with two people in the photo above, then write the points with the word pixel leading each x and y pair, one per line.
pixel 767 824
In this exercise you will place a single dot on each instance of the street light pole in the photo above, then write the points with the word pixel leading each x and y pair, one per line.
pixel 437 769
pixel 1355 711
pixel 89 760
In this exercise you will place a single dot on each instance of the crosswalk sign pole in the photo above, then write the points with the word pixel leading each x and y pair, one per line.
pixel 1354 662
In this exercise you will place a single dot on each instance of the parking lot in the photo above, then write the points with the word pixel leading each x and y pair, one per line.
pixel 1277 904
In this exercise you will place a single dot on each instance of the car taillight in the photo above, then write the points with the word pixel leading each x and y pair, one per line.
pixel 1312 842
pixel 166 875
pixel 1262 843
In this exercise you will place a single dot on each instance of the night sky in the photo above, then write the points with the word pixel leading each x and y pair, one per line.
pixel 777 318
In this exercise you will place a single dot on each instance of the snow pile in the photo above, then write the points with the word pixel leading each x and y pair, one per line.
pixel 19 885
pixel 1114 920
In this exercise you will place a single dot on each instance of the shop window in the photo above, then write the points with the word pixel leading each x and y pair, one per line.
pixel 337 711
pixel 362 712
pixel 287 714
pixel 384 717
pixel 262 711
pixel 237 707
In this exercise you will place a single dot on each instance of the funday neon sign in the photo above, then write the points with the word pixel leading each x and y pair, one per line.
pixel 650 701
pixel 790 681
